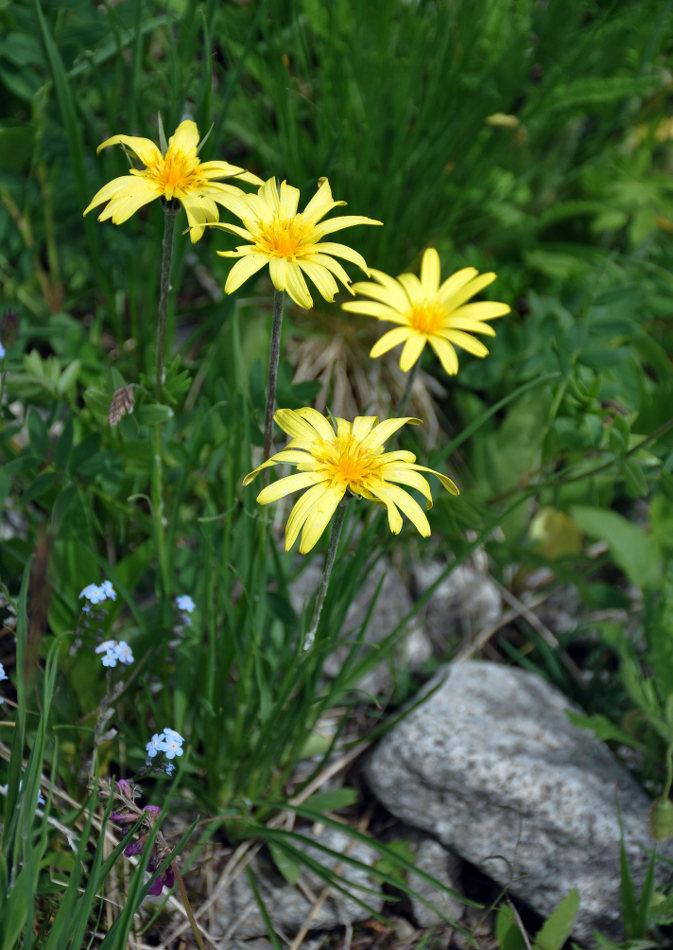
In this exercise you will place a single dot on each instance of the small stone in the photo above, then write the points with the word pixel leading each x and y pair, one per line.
pixel 466 602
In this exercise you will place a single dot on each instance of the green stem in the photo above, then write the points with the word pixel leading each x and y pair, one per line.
pixel 274 356
pixel 171 209
pixel 404 402
pixel 157 495
pixel 669 772
pixel 335 534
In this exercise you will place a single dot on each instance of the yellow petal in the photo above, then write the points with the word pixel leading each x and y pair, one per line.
pixel 408 505
pixel 383 431
pixel 109 191
pixel 430 271
pixel 455 282
pixel 369 308
pixel 446 354
pixel 394 297
pixel 129 200
pixel 145 149
pixel 412 287
pixel 255 472
pixel 317 421
pixel 294 423
pixel 242 270
pixel 363 425
pixel 469 343
pixel 315 524
pixel 296 285
pixel 343 251
pixel 288 200
pixel 291 483
pixel 465 323
pixel 302 509
pixel 320 204
pixel 469 290
pixel 336 224
pixel 404 475
pixel 321 277
pixel 412 350
pixel 447 482
pixel 389 340
pixel 481 310
pixel 185 138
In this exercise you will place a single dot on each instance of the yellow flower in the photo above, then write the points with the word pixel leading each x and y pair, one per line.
pixel 429 312
pixel 177 174
pixel 351 459
pixel 289 241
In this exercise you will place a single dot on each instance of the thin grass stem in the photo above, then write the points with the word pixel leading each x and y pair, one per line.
pixel 274 356
pixel 335 534
pixel 406 396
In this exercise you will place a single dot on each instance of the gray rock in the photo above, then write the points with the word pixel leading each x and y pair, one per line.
pixel 491 765
pixel 289 905
pixel 465 602
pixel 445 867
pixel 393 603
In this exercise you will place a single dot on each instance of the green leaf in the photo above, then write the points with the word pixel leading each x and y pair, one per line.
pixel 288 867
pixel 602 728
pixel 507 931
pixel 68 377
pixel 150 414
pixel 635 552
pixel 64 445
pixel 41 485
pixel 332 799
pixel 558 927
pixel 37 431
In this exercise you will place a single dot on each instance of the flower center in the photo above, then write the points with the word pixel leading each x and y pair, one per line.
pixel 427 316
pixel 347 462
pixel 283 237
pixel 177 172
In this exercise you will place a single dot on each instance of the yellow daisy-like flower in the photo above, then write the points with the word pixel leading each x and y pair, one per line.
pixel 351 459
pixel 178 174
pixel 290 242
pixel 429 312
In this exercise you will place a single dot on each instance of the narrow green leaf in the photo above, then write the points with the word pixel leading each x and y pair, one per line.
pixel 558 926
pixel 635 552
pixel 288 867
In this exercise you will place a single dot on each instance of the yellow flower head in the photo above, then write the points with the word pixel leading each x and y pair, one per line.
pixel 289 241
pixel 176 174
pixel 351 459
pixel 429 312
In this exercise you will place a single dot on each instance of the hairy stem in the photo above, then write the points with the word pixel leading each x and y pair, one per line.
pixel 335 534
pixel 274 356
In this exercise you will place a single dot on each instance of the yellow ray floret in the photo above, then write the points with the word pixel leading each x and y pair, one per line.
pixel 176 174
pixel 290 241
pixel 352 459
pixel 428 311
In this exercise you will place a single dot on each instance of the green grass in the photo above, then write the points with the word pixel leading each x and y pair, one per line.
pixel 518 137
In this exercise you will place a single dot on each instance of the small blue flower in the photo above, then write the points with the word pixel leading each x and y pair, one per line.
pixel 108 590
pixel 169 768
pixel 93 593
pixel 156 744
pixel 3 675
pixel 2 352
pixel 124 653
pixel 173 735
pixel 185 603
pixel 172 748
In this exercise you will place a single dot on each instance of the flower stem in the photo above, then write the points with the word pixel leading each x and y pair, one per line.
pixel 274 356
pixel 335 534
pixel 404 402
pixel 171 209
